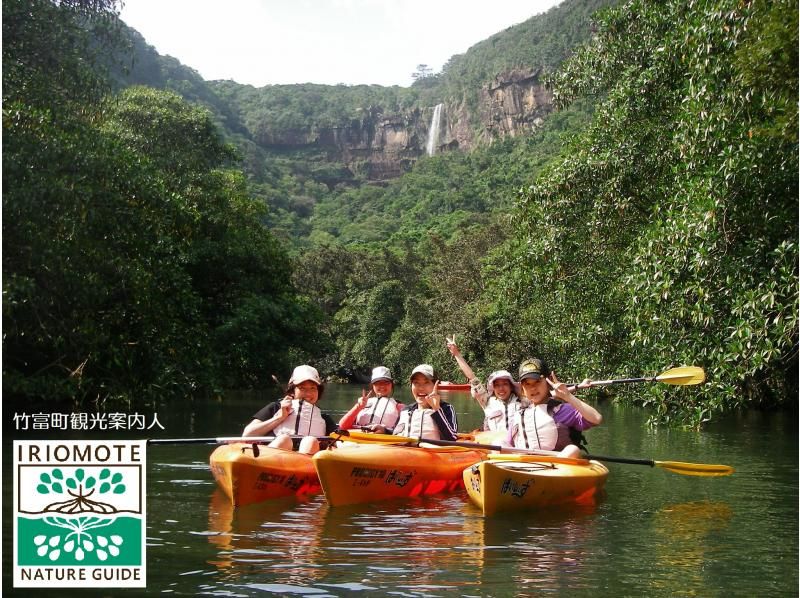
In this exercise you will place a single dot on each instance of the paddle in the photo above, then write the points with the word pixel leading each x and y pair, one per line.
pixel 222 440
pixel 681 376
pixel 694 469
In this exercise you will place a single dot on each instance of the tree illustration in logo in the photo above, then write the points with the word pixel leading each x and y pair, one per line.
pixel 80 540
pixel 80 488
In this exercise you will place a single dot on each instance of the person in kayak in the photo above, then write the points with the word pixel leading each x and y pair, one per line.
pixel 549 414
pixel 499 399
pixel 376 407
pixel 296 414
pixel 430 416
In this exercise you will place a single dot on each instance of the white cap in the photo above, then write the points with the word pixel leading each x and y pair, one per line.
pixel 424 369
pixel 303 373
pixel 381 373
pixel 501 375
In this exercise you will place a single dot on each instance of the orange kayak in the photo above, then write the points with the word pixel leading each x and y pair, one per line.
pixel 452 387
pixel 247 478
pixel 525 482
pixel 373 472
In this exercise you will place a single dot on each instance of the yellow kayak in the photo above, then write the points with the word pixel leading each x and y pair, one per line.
pixel 519 482
pixel 353 474
pixel 247 478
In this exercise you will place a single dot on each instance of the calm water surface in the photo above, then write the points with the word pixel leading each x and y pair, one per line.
pixel 653 533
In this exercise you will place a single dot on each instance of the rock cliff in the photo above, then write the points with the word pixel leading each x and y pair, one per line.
pixel 513 103
pixel 382 146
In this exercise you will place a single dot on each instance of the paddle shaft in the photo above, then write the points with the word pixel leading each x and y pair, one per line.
pixel 680 376
pixel 222 440
pixel 593 383
pixel 691 469
pixel 648 462
pixel 694 469
pixel 486 447
pixel 621 381
pixel 507 449
pixel 513 450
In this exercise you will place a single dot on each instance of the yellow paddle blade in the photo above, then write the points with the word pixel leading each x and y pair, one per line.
pixel 526 458
pixel 371 437
pixel 445 446
pixel 698 469
pixel 683 376
pixel 488 437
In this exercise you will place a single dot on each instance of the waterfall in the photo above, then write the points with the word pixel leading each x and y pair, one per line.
pixel 433 132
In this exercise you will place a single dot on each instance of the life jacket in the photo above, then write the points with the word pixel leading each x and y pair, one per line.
pixel 379 410
pixel 536 428
pixel 500 414
pixel 566 435
pixel 417 423
pixel 304 420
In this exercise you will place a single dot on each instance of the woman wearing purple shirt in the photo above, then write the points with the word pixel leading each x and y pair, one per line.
pixel 556 416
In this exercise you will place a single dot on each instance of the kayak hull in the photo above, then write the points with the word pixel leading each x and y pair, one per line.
pixel 454 387
pixel 369 473
pixel 527 482
pixel 247 478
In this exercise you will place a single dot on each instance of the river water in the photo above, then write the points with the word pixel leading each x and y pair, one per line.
pixel 653 533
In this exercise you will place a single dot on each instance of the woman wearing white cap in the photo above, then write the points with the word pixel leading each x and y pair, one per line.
pixel 296 414
pixel 430 416
pixel 499 399
pixel 376 407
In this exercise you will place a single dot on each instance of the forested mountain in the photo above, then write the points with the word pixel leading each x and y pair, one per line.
pixel 305 145
pixel 617 208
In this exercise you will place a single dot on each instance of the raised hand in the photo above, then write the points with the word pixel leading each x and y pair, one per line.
pixel 286 405
pixel 560 390
pixel 452 346
pixel 362 401
pixel 433 399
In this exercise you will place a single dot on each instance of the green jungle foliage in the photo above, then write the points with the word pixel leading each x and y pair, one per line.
pixel 668 234
pixel 542 43
pixel 665 234
pixel 135 264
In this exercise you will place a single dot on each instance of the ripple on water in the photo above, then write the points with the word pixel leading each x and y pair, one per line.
pixel 197 465
pixel 285 589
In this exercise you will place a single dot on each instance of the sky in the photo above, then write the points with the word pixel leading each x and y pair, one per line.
pixel 271 42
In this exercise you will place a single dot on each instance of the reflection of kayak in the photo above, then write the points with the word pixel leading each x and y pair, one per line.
pixel 248 478
pixel 453 387
pixel 517 482
pixel 373 472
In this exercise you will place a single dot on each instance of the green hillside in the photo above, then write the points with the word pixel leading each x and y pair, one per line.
pixel 311 197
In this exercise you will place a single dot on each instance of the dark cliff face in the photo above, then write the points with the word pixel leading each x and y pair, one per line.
pixel 515 102
pixel 383 146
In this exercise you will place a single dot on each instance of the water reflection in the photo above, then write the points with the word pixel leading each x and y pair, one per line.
pixel 549 548
pixel 279 534
pixel 409 545
pixel 685 539
pixel 416 546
